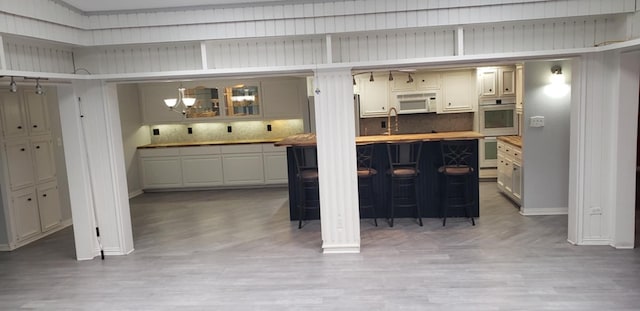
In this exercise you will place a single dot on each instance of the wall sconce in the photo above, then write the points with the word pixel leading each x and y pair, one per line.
pixel 13 87
pixel 39 89
pixel 172 103
pixel 557 86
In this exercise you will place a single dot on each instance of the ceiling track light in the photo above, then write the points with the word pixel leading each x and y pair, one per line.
pixel 390 76
pixel 354 79
pixel 13 87
pixel 410 80
pixel 371 77
pixel 39 89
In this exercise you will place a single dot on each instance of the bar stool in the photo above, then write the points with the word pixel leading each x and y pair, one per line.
pixel 404 159
pixel 366 193
pixel 458 175
pixel 307 180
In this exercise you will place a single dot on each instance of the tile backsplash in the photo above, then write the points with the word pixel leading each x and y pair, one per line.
pixel 419 123
pixel 240 130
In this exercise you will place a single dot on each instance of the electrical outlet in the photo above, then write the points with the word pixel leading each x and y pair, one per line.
pixel 536 121
pixel 156 131
pixel 383 124
pixel 268 127
pixel 229 129
pixel 189 130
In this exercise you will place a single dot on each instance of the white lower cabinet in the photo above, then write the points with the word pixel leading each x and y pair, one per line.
pixel 510 171
pixel 212 166
pixel 26 217
pixel 49 206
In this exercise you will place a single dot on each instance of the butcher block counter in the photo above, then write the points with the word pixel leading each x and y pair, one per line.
pixel 514 140
pixel 309 139
pixel 428 182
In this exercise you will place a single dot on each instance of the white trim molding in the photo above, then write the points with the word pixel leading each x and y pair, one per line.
pixel 543 211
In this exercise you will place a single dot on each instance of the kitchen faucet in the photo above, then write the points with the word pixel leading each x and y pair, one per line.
pixel 389 120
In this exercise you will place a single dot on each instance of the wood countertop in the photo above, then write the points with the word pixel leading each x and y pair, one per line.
pixel 211 143
pixel 309 139
pixel 514 140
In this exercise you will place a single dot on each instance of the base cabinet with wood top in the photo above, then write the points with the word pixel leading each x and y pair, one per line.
pixel 510 170
pixel 233 165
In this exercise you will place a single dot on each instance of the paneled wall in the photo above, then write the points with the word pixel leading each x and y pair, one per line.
pixel 50 20
pixel 141 58
pixel 272 52
pixel 29 55
pixel 543 35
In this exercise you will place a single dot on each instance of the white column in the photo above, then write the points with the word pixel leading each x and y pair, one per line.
pixel 95 166
pixel 335 130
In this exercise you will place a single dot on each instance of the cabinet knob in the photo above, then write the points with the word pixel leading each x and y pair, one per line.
pixel 35 125
pixel 449 104
pixel 37 147
pixel 44 195
pixel 507 89
pixel 490 90
pixel 514 168
pixel 19 127
pixel 21 149
pixel 507 164
pixel 29 199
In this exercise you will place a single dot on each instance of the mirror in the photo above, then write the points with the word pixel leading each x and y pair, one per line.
pixel 207 103
pixel 242 100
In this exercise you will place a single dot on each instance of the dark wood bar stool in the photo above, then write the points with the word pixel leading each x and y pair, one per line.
pixel 457 188
pixel 307 176
pixel 366 193
pixel 404 159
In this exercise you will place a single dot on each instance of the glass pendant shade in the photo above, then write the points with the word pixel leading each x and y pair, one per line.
pixel 171 102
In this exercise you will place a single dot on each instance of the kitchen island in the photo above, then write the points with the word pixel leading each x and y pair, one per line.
pixel 428 181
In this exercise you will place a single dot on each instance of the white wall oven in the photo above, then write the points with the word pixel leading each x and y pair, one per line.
pixel 498 119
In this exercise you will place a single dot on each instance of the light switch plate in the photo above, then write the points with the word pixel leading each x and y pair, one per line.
pixel 536 121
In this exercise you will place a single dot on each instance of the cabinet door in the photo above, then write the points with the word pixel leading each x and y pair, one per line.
pixel 38 113
pixel 519 89
pixel 161 172
pixel 13 117
pixel 282 98
pixel 44 163
pixel 275 168
pixel 488 79
pixel 457 92
pixel 243 169
pixel 19 164
pixel 399 82
pixel 200 171
pixel 507 81
pixel 500 169
pixel 516 180
pixel 49 206
pixel 374 96
pixel 26 218
pixel 428 81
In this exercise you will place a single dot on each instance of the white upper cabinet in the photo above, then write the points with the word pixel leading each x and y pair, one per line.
pixel 19 164
pixel 49 206
pixel 519 89
pixel 283 98
pixel 458 92
pixel 496 82
pixel 43 160
pixel 374 95
pixel 37 111
pixel 14 122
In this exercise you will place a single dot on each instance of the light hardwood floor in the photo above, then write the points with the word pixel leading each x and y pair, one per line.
pixel 237 250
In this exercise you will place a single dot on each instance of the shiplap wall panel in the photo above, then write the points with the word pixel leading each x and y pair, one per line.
pixel 265 53
pixel 543 35
pixel 23 55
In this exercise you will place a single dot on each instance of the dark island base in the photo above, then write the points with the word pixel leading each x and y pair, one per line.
pixel 429 182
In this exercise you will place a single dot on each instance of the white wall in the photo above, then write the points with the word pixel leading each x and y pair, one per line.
pixel 546 149
pixel 134 134
pixel 56 136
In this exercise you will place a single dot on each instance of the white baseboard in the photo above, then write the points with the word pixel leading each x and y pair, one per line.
pixel 341 249
pixel 544 211
pixel 135 193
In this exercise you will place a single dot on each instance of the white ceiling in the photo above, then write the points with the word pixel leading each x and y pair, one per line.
pixel 124 5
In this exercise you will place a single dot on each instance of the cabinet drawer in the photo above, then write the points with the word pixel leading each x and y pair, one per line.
pixel 517 154
pixel 159 152
pixel 272 148
pixel 248 148
pixel 201 150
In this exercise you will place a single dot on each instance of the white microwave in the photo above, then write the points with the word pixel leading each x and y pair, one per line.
pixel 417 102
